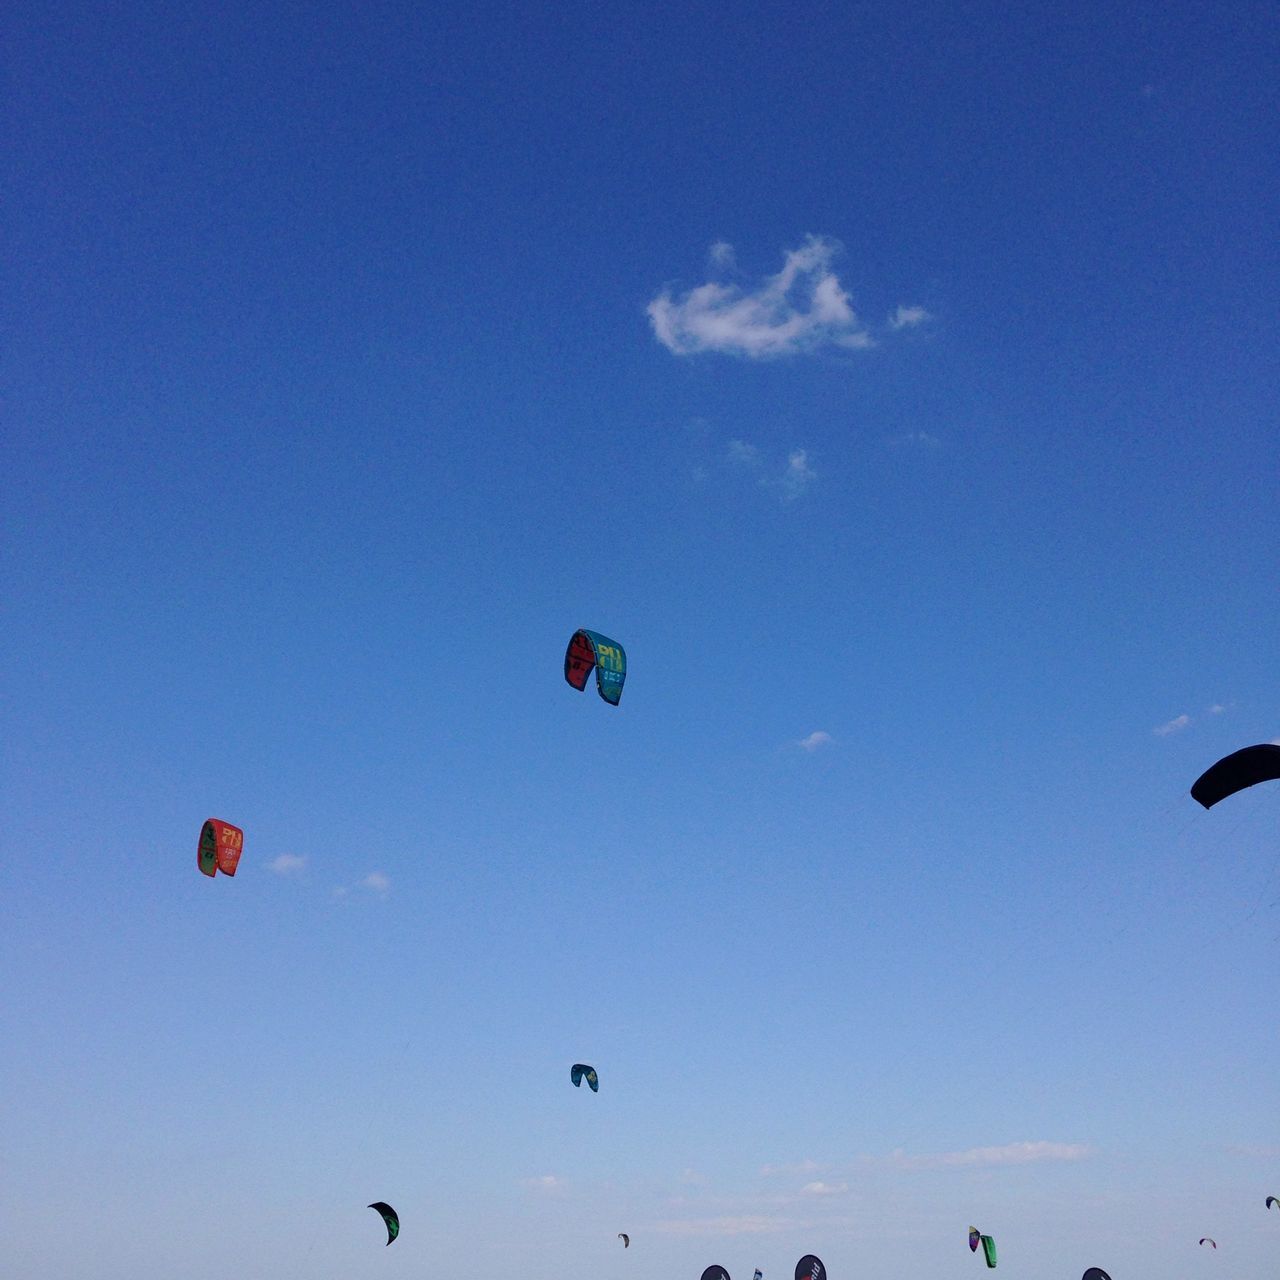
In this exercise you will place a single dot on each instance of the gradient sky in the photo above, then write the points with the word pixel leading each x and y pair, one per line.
pixel 897 384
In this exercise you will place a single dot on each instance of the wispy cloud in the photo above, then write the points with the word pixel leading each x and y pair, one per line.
pixel 1176 725
pixel 802 1166
pixel 546 1182
pixel 795 478
pixel 1216 710
pixel 825 1189
pixel 818 738
pixel 721 255
pixel 750 1224
pixel 377 881
pixel 798 475
pixel 908 317
pixel 287 864
pixel 917 439
pixel 801 308
pixel 1012 1153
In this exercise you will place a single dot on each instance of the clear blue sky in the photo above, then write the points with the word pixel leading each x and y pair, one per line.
pixel 897 384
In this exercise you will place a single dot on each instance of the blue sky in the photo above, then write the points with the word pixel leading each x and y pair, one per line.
pixel 898 386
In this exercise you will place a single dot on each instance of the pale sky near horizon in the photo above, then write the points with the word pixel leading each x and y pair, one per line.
pixel 897 385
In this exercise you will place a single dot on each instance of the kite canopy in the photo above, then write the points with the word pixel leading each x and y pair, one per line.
pixel 989 1250
pixel 810 1268
pixel 715 1273
pixel 626 1239
pixel 220 847
pixel 390 1217
pixel 579 1072
pixel 1095 1273
pixel 589 649
pixel 1273 1203
pixel 1244 768
pixel 975 1239
pixel 1206 1240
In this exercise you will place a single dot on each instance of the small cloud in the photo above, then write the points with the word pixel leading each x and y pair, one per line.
pixel 547 1182
pixel 1012 1153
pixel 801 308
pixel 722 256
pixel 1176 725
pixel 819 738
pixel 798 475
pixel 287 864
pixel 1216 710
pixel 744 1225
pixel 377 881
pixel 908 317
pixel 804 1166
pixel 917 439
pixel 825 1189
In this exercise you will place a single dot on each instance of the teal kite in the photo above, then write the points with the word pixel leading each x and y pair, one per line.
pixel 989 1250
pixel 580 1072
pixel 589 649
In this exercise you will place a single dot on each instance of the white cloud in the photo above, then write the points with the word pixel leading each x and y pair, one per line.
pixel 802 308
pixel 818 738
pixel 798 475
pixel 1216 710
pixel 824 1189
pixel 751 1224
pixel 908 317
pixel 545 1182
pixel 921 439
pixel 1171 726
pixel 377 881
pixel 287 864
pixel 721 255
pixel 1012 1153
pixel 804 1166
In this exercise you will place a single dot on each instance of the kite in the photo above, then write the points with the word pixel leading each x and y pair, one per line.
pixel 975 1239
pixel 390 1217
pixel 220 848
pixel 1206 1240
pixel 759 1275
pixel 989 1250
pixel 810 1268
pixel 580 1071
pixel 715 1273
pixel 1273 1203
pixel 1095 1273
pixel 1244 768
pixel 626 1239
pixel 589 649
